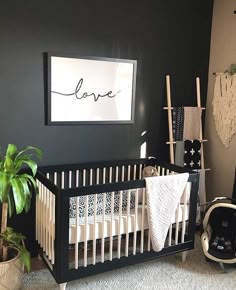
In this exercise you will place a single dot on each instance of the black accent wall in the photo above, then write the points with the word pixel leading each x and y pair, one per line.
pixel 166 37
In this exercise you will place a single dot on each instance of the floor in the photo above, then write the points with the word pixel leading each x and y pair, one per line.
pixel 37 264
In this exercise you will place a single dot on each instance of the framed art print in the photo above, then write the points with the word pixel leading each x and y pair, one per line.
pixel 90 90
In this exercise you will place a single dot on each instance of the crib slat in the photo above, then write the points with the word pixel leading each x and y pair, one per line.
pixel 117 173
pixel 91 177
pixel 177 224
pixel 70 178
pixel 111 225
pixel 135 222
pixel 77 178
pixel 119 229
pixel 97 176
pixel 50 226
pixel 184 214
pixel 40 214
pixel 103 228
pixel 159 170
pixel 77 223
pixel 76 230
pixel 62 179
pixel 110 175
pixel 84 177
pixel 123 173
pixel 44 218
pixel 140 171
pixel 135 168
pixel 104 175
pixel 37 212
pixel 86 223
pixel 163 171
pixel 149 241
pixel 77 234
pixel 94 225
pixel 86 233
pixel 70 185
pixel 55 178
pixel 53 219
pixel 46 221
pixel 127 224
pixel 47 224
pixel 142 226
pixel 94 229
pixel 53 229
pixel 170 235
pixel 128 172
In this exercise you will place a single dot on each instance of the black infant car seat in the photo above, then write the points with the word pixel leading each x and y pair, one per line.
pixel 219 231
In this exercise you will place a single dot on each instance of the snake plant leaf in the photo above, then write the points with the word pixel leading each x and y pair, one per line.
pixel 4 185
pixel 11 151
pixel 37 151
pixel 18 193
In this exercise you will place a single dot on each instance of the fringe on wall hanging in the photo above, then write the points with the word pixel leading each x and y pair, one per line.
pixel 224 106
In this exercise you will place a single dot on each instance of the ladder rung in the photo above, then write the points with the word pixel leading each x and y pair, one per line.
pixel 171 108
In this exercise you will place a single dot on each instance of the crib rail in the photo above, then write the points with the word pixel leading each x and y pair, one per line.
pixel 104 237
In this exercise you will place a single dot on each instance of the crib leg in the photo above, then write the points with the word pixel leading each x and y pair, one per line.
pixel 63 286
pixel 184 256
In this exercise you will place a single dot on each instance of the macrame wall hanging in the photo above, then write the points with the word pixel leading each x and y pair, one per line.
pixel 224 106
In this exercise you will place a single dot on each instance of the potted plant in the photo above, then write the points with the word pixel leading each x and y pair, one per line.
pixel 17 182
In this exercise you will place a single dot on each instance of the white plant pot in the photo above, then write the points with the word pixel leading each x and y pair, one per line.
pixel 11 273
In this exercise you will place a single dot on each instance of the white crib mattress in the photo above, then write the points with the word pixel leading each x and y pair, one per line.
pixel 115 225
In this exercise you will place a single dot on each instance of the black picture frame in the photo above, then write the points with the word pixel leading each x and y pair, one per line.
pixel 90 90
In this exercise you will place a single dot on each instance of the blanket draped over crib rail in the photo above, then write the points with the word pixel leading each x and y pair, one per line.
pixel 163 195
pixel 224 107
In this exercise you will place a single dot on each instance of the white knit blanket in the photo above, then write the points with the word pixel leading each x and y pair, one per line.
pixel 163 196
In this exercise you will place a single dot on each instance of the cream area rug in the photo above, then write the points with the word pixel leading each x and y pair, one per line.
pixel 162 273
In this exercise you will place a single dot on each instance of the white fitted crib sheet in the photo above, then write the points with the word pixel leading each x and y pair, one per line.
pixel 119 225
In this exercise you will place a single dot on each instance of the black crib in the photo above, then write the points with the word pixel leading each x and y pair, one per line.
pixel 91 218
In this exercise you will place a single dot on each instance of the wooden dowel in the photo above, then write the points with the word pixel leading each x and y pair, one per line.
pixel 170 118
pixel 199 105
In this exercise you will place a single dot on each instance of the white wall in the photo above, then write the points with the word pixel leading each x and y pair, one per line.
pixel 222 161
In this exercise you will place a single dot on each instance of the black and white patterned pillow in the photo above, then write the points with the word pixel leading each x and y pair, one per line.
pixel 72 210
